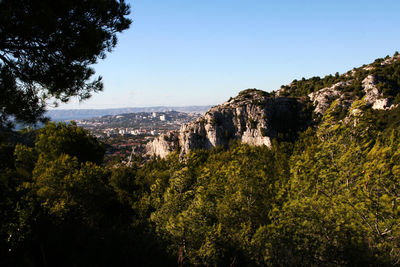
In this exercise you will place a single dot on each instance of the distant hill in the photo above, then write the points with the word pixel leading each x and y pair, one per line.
pixel 76 114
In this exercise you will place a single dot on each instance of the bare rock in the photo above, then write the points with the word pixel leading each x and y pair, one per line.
pixel 252 117
pixel 390 60
pixel 324 97
pixel 372 95
pixel 383 103
pixel 162 145
pixel 371 92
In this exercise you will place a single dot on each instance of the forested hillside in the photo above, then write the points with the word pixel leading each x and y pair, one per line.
pixel 328 195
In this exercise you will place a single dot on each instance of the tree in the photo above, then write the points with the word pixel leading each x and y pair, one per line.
pixel 53 140
pixel 57 203
pixel 46 49
pixel 214 203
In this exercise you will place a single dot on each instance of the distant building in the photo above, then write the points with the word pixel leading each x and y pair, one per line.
pixel 162 118
pixel 154 114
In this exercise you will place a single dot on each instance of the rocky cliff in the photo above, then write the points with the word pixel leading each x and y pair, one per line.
pixel 256 117
pixel 253 116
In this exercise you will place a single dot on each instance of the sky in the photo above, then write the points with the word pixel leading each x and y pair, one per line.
pixel 201 52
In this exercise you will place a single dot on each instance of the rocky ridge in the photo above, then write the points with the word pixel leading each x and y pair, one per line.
pixel 323 98
pixel 256 117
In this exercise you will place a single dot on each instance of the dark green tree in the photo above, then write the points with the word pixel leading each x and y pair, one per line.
pixel 46 49
pixel 54 140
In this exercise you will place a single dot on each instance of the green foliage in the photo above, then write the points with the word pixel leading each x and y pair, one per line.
pixel 385 120
pixel 56 202
pixel 388 79
pixel 340 208
pixel 53 140
pixel 46 49
pixel 328 197
pixel 216 200
pixel 62 185
pixel 303 87
pixel 325 195
pixel 247 94
pixel 329 200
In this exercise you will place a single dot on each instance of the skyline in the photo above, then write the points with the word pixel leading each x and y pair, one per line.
pixel 184 53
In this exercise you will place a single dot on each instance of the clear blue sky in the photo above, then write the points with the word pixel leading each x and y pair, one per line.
pixel 201 52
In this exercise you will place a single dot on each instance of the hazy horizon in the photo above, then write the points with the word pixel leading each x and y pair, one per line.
pixel 127 107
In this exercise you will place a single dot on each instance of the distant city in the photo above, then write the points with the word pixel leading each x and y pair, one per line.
pixel 77 114
pixel 142 123
pixel 126 134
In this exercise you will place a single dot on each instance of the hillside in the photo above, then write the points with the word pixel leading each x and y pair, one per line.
pixel 318 185
pixel 256 117
pixel 307 175
pixel 253 117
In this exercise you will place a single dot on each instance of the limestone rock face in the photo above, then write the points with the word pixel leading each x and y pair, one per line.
pixel 323 98
pixel 383 103
pixel 372 95
pixel 371 92
pixel 162 145
pixel 256 117
pixel 252 117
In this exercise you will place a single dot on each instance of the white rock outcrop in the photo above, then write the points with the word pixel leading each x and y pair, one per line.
pixel 383 103
pixel 372 95
pixel 162 145
pixel 371 92
pixel 255 117
pixel 323 98
pixel 251 117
